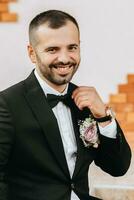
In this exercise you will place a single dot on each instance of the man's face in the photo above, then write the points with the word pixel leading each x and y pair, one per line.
pixel 57 53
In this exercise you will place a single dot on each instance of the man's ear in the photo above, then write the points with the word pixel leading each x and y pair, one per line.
pixel 31 53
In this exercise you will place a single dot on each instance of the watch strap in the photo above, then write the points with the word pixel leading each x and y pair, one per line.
pixel 103 119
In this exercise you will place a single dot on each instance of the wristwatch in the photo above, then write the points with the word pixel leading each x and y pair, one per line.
pixel 109 115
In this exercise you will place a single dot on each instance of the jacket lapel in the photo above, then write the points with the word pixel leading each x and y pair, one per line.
pixel 38 103
pixel 76 116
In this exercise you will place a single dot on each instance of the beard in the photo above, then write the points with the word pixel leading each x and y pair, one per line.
pixel 50 72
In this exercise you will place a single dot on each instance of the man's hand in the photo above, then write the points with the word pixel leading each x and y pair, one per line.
pixel 88 97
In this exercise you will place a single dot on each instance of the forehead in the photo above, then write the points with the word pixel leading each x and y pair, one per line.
pixel 67 34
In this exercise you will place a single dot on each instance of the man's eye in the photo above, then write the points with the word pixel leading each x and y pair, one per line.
pixel 52 50
pixel 73 48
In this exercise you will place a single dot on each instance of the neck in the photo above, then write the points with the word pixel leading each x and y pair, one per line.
pixel 59 88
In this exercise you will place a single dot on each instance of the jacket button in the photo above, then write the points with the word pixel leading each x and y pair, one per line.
pixel 72 186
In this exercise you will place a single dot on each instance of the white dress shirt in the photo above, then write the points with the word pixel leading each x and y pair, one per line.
pixel 63 116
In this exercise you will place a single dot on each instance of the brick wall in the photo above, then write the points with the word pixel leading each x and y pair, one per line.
pixel 123 104
pixel 5 14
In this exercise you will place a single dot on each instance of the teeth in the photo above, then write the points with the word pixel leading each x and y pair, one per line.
pixel 64 67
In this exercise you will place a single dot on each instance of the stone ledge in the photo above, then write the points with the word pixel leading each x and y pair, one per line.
pixel 110 192
pixel 107 187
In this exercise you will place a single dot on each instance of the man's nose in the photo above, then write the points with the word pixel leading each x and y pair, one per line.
pixel 64 57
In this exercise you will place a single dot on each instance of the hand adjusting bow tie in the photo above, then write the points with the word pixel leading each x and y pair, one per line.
pixel 53 99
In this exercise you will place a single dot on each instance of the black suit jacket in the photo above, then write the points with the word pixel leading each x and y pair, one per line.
pixel 32 159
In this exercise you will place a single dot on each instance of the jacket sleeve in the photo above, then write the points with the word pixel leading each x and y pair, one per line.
pixel 6 141
pixel 114 155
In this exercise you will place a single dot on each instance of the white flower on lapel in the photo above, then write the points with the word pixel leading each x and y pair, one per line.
pixel 88 132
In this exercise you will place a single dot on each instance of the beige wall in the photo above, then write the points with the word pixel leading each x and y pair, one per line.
pixel 107 41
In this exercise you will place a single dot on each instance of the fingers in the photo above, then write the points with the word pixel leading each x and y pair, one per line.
pixel 88 97
pixel 82 89
pixel 83 96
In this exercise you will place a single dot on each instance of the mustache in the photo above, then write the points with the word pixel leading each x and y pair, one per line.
pixel 62 65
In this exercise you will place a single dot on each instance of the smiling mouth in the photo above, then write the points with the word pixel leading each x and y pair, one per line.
pixel 67 66
pixel 64 70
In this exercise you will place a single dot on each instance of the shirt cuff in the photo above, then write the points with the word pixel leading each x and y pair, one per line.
pixel 109 130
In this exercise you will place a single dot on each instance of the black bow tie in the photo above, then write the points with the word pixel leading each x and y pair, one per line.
pixel 53 99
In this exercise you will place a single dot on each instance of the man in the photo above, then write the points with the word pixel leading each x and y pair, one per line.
pixel 42 155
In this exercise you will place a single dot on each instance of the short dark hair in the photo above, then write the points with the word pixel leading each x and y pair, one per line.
pixel 54 18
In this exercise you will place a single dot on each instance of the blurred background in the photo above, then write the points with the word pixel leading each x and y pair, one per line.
pixel 107 51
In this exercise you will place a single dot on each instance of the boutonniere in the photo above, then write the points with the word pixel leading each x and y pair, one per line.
pixel 88 132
